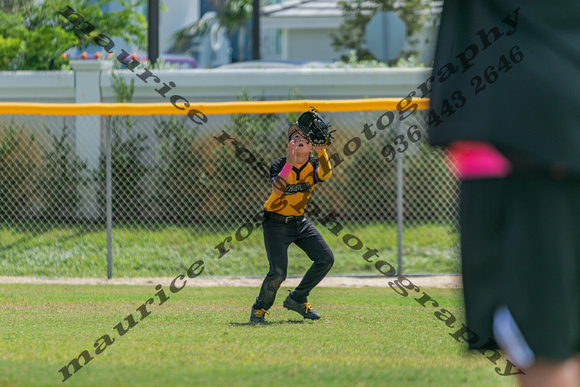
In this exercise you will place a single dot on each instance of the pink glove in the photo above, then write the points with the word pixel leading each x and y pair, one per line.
pixel 477 160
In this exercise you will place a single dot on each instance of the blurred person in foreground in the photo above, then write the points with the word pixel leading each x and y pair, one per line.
pixel 505 103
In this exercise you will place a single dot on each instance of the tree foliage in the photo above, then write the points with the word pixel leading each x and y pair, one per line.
pixel 357 13
pixel 233 15
pixel 33 36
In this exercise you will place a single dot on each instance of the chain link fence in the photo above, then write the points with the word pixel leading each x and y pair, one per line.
pixel 156 193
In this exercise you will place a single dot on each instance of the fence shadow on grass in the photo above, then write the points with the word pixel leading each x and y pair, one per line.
pixel 32 231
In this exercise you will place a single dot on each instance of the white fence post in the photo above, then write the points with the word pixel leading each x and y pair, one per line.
pixel 88 129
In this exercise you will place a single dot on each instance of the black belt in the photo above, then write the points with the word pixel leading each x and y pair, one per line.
pixel 282 218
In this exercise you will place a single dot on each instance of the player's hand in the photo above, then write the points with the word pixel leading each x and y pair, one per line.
pixel 291 153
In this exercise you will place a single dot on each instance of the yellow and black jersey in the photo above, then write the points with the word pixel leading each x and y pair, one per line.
pixel 300 185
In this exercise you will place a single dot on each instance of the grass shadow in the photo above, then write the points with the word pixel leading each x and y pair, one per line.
pixel 267 323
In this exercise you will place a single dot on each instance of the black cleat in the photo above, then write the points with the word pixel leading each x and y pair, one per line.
pixel 258 315
pixel 305 309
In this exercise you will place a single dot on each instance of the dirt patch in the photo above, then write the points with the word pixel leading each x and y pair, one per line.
pixel 442 281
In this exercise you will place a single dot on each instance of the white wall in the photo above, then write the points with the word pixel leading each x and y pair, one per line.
pixel 275 84
pixel 311 44
pixel 223 85
pixel 37 86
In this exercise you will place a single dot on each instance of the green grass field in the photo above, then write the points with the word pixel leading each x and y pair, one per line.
pixel 80 251
pixel 201 337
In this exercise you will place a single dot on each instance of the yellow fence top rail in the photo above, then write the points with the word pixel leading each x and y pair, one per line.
pixel 209 108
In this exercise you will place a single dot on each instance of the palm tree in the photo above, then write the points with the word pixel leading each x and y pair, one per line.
pixel 232 15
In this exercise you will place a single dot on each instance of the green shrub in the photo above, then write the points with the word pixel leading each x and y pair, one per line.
pixel 430 191
pixel 183 190
pixel 17 170
pixel 61 178
pixel 370 190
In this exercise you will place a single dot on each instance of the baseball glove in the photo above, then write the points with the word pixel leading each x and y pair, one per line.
pixel 314 128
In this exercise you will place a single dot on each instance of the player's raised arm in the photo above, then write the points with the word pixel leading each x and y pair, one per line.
pixel 279 183
pixel 324 170
pixel 315 129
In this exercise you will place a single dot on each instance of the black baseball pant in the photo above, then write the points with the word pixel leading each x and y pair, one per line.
pixel 278 236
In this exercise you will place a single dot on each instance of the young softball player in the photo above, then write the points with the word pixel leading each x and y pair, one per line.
pixel 293 179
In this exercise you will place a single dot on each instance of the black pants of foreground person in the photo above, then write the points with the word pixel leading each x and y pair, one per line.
pixel 278 236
